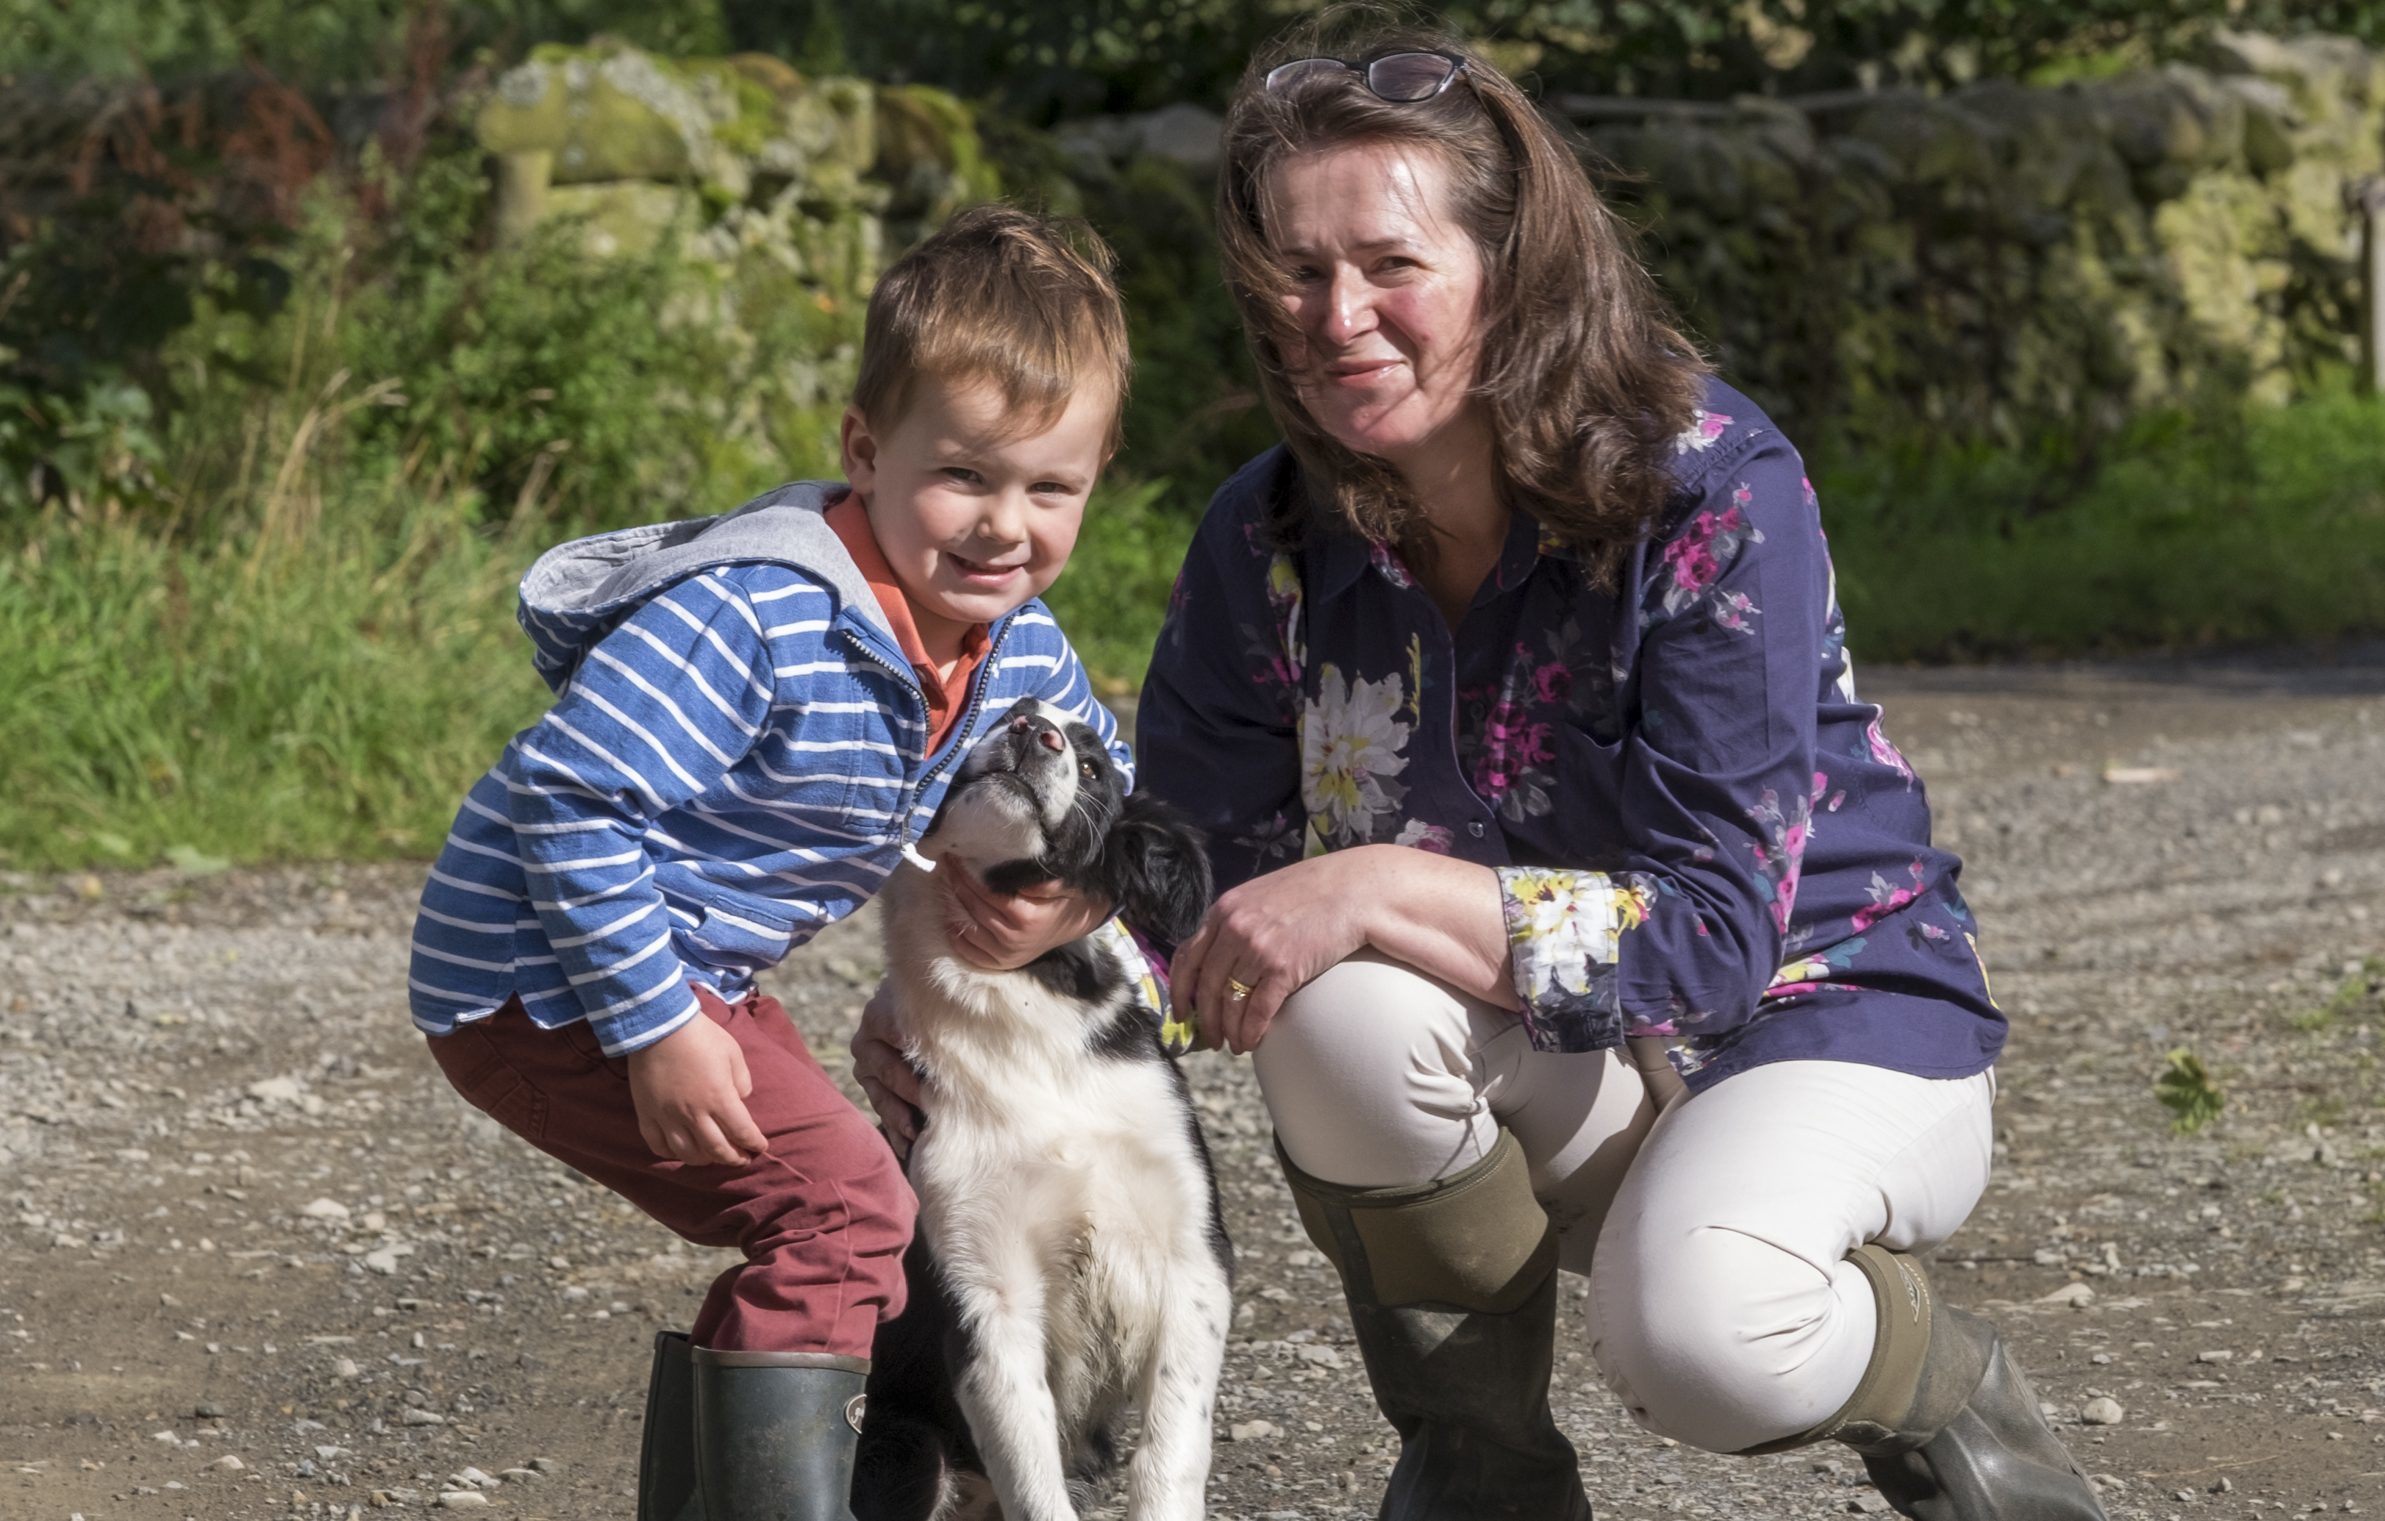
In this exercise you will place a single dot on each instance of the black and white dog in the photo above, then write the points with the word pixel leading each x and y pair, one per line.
pixel 1071 1261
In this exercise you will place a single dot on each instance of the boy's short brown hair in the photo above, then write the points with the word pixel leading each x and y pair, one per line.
pixel 1001 296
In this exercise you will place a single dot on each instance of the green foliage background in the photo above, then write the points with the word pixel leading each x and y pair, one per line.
pixel 1047 58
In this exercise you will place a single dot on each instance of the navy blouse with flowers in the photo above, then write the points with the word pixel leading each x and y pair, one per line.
pixel 1698 831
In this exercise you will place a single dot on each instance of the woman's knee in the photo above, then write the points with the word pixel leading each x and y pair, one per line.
pixel 1369 1066
pixel 1720 1338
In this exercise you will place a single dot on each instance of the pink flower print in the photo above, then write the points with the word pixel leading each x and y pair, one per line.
pixel 1886 899
pixel 1431 837
pixel 1886 753
pixel 1553 682
pixel 1692 563
pixel 1388 563
pixel 1507 748
pixel 1697 557
pixel 1692 557
pixel 1780 857
pixel 1704 428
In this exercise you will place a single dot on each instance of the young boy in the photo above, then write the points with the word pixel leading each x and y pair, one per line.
pixel 755 715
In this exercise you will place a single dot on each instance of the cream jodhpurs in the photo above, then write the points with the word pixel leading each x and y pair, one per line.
pixel 1723 1311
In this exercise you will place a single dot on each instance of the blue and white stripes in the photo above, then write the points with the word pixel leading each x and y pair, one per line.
pixel 733 764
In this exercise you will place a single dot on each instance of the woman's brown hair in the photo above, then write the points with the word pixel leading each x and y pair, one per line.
pixel 1586 378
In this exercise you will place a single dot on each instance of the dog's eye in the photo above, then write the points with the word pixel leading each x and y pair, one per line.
pixel 1085 770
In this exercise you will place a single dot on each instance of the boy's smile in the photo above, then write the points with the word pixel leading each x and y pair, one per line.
pixel 974 518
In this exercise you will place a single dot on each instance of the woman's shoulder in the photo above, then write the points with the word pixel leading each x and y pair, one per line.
pixel 1724 429
pixel 1250 494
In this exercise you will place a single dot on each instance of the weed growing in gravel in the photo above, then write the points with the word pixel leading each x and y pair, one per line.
pixel 2187 1091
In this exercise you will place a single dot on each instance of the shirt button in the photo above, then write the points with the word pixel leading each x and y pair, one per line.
pixel 1475 829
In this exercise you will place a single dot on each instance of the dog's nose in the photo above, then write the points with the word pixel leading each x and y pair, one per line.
pixel 1045 734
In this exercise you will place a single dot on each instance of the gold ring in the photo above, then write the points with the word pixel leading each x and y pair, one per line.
pixel 1237 988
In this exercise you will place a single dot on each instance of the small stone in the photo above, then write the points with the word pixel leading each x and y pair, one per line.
pixel 2103 1410
pixel 274 1090
pixel 410 1416
pixel 546 1466
pixel 383 1262
pixel 2077 1295
pixel 521 1476
pixel 473 1478
pixel 228 1464
pixel 2215 1356
pixel 1251 1431
pixel 344 1368
pixel 463 1499
pixel 325 1209
pixel 1867 1505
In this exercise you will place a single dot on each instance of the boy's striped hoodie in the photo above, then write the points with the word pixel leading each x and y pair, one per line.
pixel 735 758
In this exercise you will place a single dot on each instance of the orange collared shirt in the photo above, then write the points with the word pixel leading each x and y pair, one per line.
pixel 947 696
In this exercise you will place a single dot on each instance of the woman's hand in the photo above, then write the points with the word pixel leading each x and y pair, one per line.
pixel 1273 934
pixel 689 1088
pixel 1001 932
pixel 1268 938
pixel 886 1078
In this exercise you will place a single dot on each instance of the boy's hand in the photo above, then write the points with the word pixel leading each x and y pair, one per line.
pixel 1002 932
pixel 690 1088
pixel 886 1079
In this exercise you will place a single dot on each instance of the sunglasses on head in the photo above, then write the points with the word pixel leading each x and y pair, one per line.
pixel 1404 77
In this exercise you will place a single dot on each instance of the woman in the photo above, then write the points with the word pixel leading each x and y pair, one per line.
pixel 1514 695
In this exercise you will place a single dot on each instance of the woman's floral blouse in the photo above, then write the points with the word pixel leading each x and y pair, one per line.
pixel 1698 831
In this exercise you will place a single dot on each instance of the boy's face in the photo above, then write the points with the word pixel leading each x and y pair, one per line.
pixel 973 523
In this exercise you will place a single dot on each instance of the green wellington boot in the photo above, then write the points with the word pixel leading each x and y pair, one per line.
pixel 1947 1424
pixel 667 1450
pixel 775 1433
pixel 1452 1287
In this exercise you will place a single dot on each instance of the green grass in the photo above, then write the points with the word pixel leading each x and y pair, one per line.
pixel 330 696
pixel 172 702
pixel 2194 531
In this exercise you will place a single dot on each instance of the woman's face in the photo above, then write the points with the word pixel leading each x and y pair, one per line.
pixel 1387 295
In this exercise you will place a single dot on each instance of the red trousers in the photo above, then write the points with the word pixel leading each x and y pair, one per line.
pixel 822 1217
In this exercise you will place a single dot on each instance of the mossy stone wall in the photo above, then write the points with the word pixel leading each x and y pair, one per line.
pixel 1990 263
pixel 2002 260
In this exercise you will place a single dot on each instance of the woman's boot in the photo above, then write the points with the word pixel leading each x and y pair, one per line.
pixel 1948 1427
pixel 775 1433
pixel 1452 1288
pixel 667 1450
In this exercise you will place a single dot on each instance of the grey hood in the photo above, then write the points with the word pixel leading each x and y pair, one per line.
pixel 575 593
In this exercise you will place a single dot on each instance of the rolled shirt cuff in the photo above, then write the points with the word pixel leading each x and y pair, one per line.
pixel 1564 934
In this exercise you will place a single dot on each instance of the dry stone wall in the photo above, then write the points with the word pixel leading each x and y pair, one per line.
pixel 2002 259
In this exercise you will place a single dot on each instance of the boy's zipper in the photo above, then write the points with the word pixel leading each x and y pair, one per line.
pixel 968 720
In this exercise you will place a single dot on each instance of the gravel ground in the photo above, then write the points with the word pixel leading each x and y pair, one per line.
pixel 255 1260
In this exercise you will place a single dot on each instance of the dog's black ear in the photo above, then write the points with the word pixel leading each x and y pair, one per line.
pixel 1155 867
